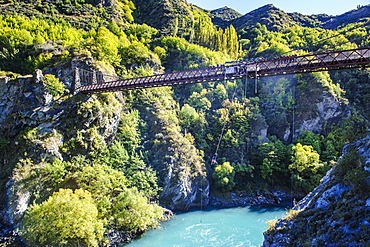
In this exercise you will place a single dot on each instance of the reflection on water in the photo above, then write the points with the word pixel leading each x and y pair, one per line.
pixel 241 226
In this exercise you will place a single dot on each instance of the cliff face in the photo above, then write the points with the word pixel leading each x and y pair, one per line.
pixel 181 170
pixel 336 213
pixel 42 127
pixel 38 126
pixel 290 108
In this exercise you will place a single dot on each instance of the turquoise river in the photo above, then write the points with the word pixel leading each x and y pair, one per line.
pixel 241 226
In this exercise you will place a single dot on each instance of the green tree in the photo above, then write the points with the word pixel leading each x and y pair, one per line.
pixel 187 116
pixel 137 53
pixel 304 158
pixel 106 45
pixel 306 167
pixel 143 32
pixel 199 101
pixel 55 86
pixel 132 212
pixel 67 218
pixel 224 176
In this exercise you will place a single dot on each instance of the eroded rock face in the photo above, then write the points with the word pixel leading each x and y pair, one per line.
pixel 183 191
pixel 185 183
pixel 290 106
pixel 38 125
pixel 324 108
pixel 24 102
pixel 337 211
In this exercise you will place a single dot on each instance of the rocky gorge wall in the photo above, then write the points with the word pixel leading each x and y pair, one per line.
pixel 40 128
pixel 337 212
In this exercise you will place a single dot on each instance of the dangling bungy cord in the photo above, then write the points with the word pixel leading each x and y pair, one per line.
pixel 214 161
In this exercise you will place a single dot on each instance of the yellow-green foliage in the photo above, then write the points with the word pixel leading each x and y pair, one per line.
pixel 207 34
pixel 103 190
pixel 304 158
pixel 299 40
pixel 190 56
pixel 67 218
pixel 127 7
pixel 104 104
pixel 54 85
pixel 29 134
pixel 291 214
pixel 271 224
pixel 132 212
pixel 306 167
pixel 326 81
pixel 46 30
pixel 106 45
pixel 224 176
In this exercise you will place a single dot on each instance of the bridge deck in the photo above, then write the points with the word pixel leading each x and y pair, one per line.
pixel 348 59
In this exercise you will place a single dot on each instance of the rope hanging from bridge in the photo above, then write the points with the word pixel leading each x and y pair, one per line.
pixel 214 158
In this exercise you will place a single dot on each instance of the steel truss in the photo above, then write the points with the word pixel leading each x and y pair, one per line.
pixel 335 60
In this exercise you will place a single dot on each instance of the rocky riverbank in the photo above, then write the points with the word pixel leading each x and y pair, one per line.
pixel 337 212
pixel 267 197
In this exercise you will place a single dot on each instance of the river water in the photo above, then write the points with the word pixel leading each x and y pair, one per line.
pixel 242 226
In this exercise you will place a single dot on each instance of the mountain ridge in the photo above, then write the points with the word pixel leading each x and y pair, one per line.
pixel 269 13
pixel 156 14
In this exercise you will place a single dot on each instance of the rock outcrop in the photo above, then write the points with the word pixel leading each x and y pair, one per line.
pixel 38 125
pixel 273 197
pixel 337 212
pixel 180 167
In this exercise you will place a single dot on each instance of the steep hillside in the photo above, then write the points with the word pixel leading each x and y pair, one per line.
pixel 81 13
pixel 276 20
pixel 270 16
pixel 169 16
pixel 223 16
pixel 348 17
pixel 337 212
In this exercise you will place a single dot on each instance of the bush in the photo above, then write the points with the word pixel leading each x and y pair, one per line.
pixel 306 167
pixel 53 84
pixel 67 218
pixel 3 143
pixel 132 212
pixel 224 176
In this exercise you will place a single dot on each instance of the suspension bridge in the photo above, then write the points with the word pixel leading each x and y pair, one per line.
pixel 283 65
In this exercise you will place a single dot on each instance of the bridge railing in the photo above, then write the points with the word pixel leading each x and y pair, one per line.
pixel 355 58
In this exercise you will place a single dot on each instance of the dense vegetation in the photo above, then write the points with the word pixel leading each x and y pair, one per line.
pixel 115 185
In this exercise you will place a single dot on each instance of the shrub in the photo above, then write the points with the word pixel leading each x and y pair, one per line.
pixel 54 85
pixel 224 176
pixel 67 218
pixel 132 212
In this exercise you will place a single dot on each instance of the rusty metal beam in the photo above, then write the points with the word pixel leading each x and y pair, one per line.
pixel 335 60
